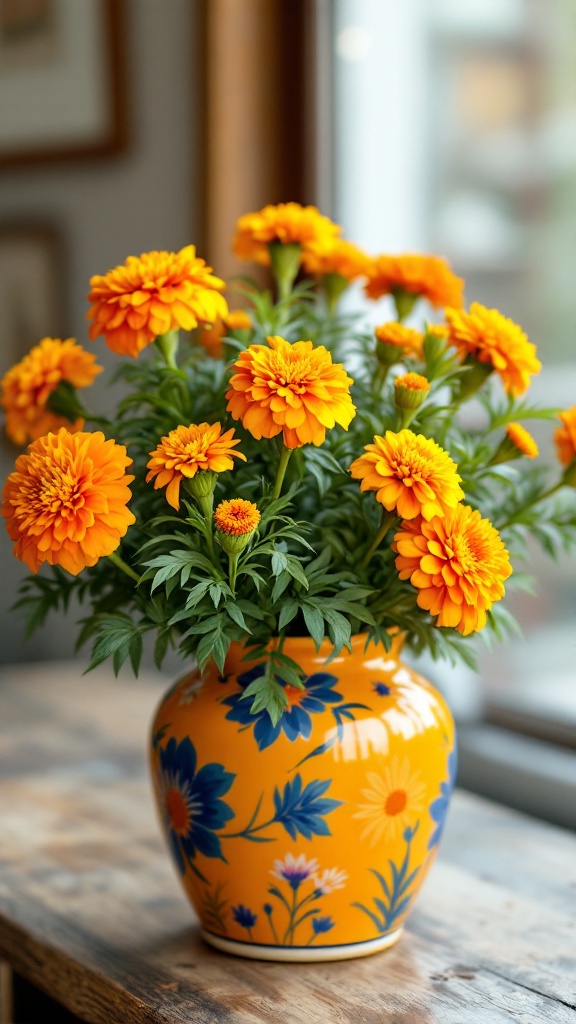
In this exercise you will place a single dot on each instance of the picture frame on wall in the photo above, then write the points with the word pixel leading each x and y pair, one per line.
pixel 32 299
pixel 62 80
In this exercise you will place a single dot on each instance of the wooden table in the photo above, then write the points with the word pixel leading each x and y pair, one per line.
pixel 92 913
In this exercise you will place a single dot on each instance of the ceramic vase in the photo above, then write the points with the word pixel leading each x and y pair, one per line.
pixel 309 839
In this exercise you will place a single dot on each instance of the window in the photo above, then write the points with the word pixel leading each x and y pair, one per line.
pixel 455 132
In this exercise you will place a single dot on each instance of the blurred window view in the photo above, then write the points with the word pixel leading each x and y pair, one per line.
pixel 455 132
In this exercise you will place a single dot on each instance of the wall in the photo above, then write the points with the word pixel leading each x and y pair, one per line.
pixel 140 200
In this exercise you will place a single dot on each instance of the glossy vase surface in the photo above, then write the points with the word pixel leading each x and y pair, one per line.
pixel 307 840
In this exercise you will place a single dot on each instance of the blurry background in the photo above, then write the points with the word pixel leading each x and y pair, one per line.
pixel 436 125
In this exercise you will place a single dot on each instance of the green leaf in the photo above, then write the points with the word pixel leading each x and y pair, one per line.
pixel 314 622
pixel 279 562
pixel 268 695
pixel 161 647
pixel 295 569
pixel 288 612
pixel 236 615
pixel 280 586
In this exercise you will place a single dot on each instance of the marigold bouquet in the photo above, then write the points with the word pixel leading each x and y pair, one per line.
pixel 284 468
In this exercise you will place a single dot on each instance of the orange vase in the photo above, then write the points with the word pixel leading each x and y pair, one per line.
pixel 307 840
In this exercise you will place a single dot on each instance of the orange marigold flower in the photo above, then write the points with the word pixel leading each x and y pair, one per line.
pixel 211 338
pixel 494 339
pixel 457 562
pixel 238 320
pixel 294 389
pixel 403 341
pixel 27 387
pixel 236 517
pixel 333 255
pixel 427 276
pixel 565 436
pixel 187 450
pixel 66 502
pixel 288 223
pixel 410 474
pixel 522 440
pixel 152 294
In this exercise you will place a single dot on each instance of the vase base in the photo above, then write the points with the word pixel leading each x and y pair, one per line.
pixel 301 954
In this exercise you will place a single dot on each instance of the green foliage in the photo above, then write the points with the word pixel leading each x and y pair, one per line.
pixel 305 569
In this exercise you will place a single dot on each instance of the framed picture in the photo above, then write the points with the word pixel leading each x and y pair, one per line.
pixel 32 300
pixel 62 88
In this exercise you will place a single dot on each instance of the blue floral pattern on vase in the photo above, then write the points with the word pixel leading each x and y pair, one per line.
pixel 245 918
pixel 294 906
pixel 299 809
pixel 439 807
pixel 391 905
pixel 295 720
pixel 191 802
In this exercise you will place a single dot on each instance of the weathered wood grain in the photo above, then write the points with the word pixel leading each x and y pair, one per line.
pixel 91 912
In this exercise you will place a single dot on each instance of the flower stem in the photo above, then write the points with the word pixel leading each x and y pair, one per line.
pixel 289 933
pixel 385 524
pixel 121 564
pixel 274 932
pixel 530 504
pixel 380 378
pixel 281 472
pixel 405 417
pixel 167 345
pixel 206 502
pixel 285 263
pixel 232 569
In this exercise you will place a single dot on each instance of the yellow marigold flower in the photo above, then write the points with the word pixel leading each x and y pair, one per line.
pixel 565 436
pixel 333 255
pixel 152 294
pixel 211 337
pixel 294 389
pixel 410 473
pixel 495 340
pixel 394 800
pixel 522 440
pixel 66 502
pixel 397 341
pixel 186 451
pixel 287 223
pixel 27 387
pixel 236 517
pixel 427 276
pixel 458 563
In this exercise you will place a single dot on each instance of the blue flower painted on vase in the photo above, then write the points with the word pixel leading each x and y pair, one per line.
pixel 382 689
pixel 321 925
pixel 294 870
pixel 192 804
pixel 439 808
pixel 299 809
pixel 392 902
pixel 295 720
pixel 244 917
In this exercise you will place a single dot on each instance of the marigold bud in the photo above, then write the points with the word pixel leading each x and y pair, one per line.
pixel 236 521
pixel 516 442
pixel 410 390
